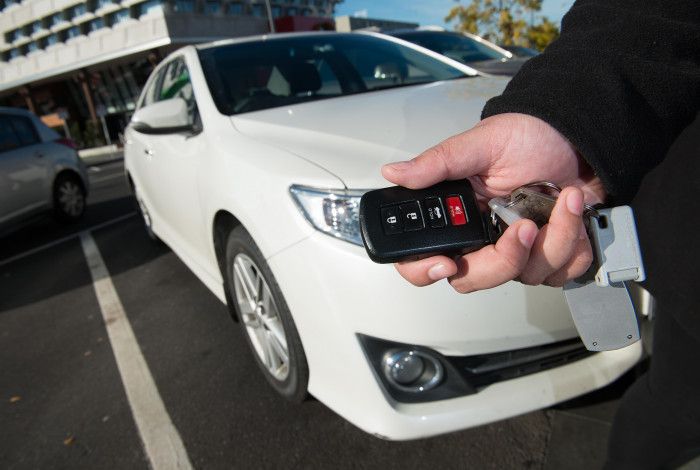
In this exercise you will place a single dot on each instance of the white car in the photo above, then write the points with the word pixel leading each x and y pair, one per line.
pixel 248 158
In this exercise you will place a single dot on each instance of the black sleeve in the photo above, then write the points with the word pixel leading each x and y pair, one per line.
pixel 621 83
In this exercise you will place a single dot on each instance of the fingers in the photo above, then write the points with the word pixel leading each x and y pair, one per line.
pixel 426 271
pixel 460 156
pixel 496 264
pixel 553 255
pixel 559 244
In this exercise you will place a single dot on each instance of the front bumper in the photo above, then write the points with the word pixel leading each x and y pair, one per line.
pixel 335 292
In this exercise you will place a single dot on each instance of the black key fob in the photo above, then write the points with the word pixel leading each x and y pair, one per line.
pixel 399 224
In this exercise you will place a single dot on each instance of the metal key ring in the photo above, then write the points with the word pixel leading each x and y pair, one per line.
pixel 588 209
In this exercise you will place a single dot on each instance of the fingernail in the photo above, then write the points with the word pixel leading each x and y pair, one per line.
pixel 437 272
pixel 400 166
pixel 574 202
pixel 526 235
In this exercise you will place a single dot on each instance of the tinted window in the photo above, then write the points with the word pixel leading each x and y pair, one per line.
pixel 176 84
pixel 453 45
pixel 24 129
pixel 278 72
pixel 8 138
pixel 151 94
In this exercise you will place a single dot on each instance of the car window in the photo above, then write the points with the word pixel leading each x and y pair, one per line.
pixel 151 94
pixel 24 129
pixel 252 76
pixel 8 137
pixel 453 45
pixel 176 84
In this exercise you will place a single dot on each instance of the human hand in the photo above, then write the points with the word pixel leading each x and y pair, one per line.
pixel 498 155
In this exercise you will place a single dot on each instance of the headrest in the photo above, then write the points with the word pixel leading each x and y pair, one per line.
pixel 302 77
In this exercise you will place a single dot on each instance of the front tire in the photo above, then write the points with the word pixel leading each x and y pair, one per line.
pixel 265 318
pixel 68 198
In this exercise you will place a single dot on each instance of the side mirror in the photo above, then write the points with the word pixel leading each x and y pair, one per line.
pixel 164 117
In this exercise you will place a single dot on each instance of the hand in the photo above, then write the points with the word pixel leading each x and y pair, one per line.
pixel 498 155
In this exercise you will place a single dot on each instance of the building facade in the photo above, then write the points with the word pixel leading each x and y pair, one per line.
pixel 75 62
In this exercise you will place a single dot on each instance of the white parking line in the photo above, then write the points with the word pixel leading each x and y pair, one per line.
pixel 161 440
pixel 58 241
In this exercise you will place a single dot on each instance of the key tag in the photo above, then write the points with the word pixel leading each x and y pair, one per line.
pixel 614 238
pixel 600 302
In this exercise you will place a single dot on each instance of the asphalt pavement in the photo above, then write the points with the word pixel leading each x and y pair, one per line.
pixel 62 395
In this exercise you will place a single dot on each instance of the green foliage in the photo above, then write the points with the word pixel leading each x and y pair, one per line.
pixel 505 22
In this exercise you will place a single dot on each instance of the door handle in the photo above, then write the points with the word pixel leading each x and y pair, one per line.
pixel 148 152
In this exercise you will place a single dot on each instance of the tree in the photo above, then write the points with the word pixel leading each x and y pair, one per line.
pixel 504 22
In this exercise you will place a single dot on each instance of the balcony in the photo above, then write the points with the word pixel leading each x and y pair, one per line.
pixel 156 29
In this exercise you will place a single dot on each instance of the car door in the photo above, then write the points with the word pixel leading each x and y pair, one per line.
pixel 24 169
pixel 175 159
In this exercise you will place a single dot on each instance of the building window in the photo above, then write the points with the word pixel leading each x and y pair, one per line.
pixel 119 16
pixel 77 10
pixel 96 24
pixel 32 46
pixel 276 12
pixel 37 26
pixel 51 40
pixel 56 18
pixel 13 53
pixel 73 32
pixel 306 12
pixel 184 6
pixel 257 10
pixel 291 11
pixel 235 9
pixel 103 3
pixel 150 6
pixel 212 7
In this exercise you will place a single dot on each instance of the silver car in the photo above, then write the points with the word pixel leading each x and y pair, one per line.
pixel 40 171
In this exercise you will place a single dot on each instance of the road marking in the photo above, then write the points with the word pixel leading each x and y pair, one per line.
pixel 24 254
pixel 106 178
pixel 161 440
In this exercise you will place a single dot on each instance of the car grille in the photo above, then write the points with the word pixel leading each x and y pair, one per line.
pixel 485 369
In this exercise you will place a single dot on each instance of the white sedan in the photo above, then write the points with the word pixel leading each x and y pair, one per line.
pixel 248 158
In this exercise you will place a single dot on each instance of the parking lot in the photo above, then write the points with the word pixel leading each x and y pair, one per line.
pixel 63 395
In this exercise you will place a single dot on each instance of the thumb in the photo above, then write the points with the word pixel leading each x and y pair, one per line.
pixel 460 156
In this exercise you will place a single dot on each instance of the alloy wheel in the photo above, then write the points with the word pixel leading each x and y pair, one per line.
pixel 260 316
pixel 71 198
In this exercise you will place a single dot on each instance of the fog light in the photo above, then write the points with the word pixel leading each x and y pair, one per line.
pixel 412 371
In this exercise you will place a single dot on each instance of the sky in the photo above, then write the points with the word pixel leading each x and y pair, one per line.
pixel 428 12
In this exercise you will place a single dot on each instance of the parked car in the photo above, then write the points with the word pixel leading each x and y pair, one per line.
pixel 520 51
pixel 248 158
pixel 467 48
pixel 39 171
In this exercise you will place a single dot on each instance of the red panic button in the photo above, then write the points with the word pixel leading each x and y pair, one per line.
pixel 456 210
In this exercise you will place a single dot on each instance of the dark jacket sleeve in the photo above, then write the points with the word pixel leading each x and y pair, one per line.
pixel 621 83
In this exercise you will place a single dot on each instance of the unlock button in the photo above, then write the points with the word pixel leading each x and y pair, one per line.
pixel 411 216
pixel 391 220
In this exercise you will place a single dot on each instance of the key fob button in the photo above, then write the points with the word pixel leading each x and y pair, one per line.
pixel 456 210
pixel 435 212
pixel 411 216
pixel 391 220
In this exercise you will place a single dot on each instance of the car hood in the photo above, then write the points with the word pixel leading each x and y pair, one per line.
pixel 352 136
pixel 499 67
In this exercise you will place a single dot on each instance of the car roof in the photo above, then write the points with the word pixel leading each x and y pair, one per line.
pixel 8 110
pixel 270 37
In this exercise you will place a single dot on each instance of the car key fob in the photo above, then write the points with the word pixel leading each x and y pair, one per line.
pixel 399 224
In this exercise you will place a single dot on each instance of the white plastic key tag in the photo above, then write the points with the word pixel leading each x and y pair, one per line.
pixel 614 239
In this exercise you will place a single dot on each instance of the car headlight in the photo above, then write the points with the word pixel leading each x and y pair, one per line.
pixel 334 212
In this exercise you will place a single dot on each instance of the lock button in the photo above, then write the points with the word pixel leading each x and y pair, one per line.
pixel 411 216
pixel 391 220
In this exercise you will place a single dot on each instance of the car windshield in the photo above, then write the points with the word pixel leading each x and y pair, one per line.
pixel 252 76
pixel 453 45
